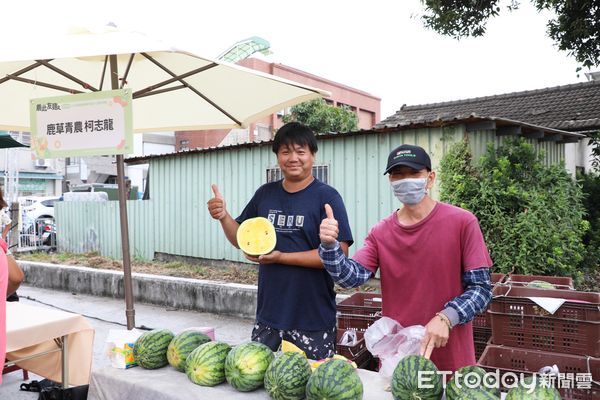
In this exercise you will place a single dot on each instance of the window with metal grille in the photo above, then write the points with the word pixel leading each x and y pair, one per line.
pixel 321 172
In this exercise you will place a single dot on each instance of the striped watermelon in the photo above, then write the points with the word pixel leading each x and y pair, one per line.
pixel 479 393
pixel 246 364
pixel 464 385
pixel 405 380
pixel 150 350
pixel 542 391
pixel 334 380
pixel 286 377
pixel 205 365
pixel 182 345
pixel 541 285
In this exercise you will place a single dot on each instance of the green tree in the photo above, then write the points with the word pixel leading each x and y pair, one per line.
pixel 458 177
pixel 591 263
pixel 321 117
pixel 574 28
pixel 531 215
pixel 594 142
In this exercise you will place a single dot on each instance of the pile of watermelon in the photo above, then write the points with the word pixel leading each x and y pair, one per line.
pixel 248 366
pixel 289 376
pixel 205 362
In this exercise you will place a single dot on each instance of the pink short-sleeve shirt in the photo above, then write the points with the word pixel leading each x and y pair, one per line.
pixel 421 269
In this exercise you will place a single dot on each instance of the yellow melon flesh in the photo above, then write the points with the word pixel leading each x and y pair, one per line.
pixel 256 236
pixel 288 347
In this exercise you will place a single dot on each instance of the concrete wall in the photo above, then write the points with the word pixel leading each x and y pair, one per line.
pixel 181 293
pixel 191 294
pixel 578 155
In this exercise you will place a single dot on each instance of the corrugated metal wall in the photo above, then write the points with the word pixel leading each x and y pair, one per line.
pixel 175 219
pixel 82 227
pixel 554 153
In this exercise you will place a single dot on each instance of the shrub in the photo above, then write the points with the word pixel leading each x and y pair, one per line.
pixel 531 215
pixel 590 266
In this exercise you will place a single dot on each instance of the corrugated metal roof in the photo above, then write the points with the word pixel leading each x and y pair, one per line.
pixel 401 125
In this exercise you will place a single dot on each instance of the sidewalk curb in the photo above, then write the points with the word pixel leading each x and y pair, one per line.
pixel 182 293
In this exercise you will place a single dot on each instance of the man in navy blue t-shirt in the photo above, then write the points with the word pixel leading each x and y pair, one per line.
pixel 296 300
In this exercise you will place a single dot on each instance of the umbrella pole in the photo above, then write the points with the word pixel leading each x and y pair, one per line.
pixel 128 287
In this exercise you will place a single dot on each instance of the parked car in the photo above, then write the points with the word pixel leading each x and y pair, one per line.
pixel 34 207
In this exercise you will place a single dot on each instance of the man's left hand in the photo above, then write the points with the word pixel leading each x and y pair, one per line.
pixel 436 335
pixel 271 258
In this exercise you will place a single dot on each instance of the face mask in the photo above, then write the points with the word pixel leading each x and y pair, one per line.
pixel 411 190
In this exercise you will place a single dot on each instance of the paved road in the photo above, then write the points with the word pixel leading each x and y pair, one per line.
pixel 106 313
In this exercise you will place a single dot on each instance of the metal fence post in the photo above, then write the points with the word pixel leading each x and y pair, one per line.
pixel 13 234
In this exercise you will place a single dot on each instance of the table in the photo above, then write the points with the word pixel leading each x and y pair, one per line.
pixel 168 384
pixel 55 344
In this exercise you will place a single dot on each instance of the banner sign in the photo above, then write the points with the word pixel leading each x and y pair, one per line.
pixel 79 125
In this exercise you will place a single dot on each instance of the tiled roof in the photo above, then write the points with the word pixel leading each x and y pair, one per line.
pixel 573 107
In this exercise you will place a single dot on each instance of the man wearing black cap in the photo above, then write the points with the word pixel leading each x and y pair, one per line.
pixel 432 258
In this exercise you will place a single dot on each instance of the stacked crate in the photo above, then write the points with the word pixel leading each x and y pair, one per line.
pixel 526 337
pixel 357 313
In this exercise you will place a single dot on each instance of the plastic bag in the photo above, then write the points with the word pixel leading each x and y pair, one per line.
pixel 349 338
pixel 391 342
pixel 207 330
pixel 119 347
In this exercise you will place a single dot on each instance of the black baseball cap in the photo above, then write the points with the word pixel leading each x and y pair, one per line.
pixel 408 155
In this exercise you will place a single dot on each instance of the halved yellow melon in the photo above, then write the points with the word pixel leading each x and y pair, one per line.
pixel 289 347
pixel 256 236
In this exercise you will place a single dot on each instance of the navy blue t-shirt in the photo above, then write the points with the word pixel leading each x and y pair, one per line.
pixel 292 297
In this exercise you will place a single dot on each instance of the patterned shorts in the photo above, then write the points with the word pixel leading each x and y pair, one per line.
pixel 316 344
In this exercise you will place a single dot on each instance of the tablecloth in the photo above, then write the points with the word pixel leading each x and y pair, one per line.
pixel 168 384
pixel 32 330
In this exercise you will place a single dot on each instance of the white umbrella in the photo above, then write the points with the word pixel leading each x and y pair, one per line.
pixel 172 90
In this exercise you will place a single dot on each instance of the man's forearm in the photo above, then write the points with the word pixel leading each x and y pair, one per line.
pixel 474 300
pixel 308 259
pixel 230 228
pixel 344 271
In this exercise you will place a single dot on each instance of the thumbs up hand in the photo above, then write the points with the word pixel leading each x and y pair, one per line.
pixel 328 232
pixel 216 205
